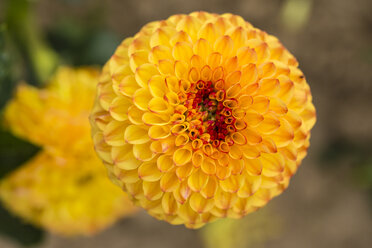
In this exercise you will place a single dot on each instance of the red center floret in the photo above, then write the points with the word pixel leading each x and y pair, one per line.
pixel 215 118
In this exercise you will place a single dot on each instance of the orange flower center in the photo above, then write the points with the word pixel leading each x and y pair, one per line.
pixel 209 113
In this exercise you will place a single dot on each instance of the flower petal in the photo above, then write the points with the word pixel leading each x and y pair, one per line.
pixel 198 180
pixel 165 163
pixel 144 73
pixel 199 204
pixel 136 134
pixel 122 156
pixel 114 133
pixel 169 182
pixel 149 172
pixel 182 156
pixel 152 191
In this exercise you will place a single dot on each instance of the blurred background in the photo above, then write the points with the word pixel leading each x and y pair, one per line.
pixel 328 203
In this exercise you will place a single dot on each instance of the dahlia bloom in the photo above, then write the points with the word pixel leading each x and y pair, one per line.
pixel 202 116
pixel 64 188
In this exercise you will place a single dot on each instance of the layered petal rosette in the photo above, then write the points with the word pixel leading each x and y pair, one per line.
pixel 64 188
pixel 202 116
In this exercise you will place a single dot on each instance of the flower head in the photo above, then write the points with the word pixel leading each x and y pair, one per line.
pixel 55 117
pixel 63 188
pixel 202 116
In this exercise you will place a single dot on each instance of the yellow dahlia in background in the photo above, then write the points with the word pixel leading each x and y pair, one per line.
pixel 63 188
pixel 202 116
pixel 56 117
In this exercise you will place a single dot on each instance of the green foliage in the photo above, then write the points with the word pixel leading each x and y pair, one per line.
pixel 359 156
pixel 13 152
pixel 364 174
pixel 7 81
pixel 18 230
pixel 41 61
pixel 82 44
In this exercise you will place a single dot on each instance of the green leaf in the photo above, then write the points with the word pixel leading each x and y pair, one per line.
pixel 101 46
pixel 41 61
pixel 14 152
pixel 18 230
pixel 6 80
pixel 363 174
pixel 82 44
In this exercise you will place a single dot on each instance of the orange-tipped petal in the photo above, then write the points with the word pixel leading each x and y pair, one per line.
pixel 136 134
pixel 144 73
pixel 200 204
pixel 123 158
pixel 114 133
pixel 165 163
pixel 198 180
pixel 208 166
pixel 169 182
pixel 182 156
pixel 152 191
pixel 149 172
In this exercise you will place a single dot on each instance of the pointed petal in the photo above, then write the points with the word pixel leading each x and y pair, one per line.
pixel 152 191
pixel 122 156
pixel 149 172
pixel 169 182
pixel 136 134
pixel 198 180
pixel 199 204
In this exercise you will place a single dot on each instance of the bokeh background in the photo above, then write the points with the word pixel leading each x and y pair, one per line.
pixel 328 203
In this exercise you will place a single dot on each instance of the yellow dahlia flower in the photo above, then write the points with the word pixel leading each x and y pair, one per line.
pixel 202 116
pixel 64 195
pixel 63 188
pixel 56 117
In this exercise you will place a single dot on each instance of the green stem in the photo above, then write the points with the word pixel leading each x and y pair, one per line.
pixel 27 35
